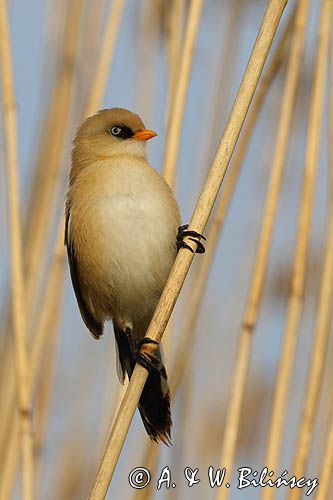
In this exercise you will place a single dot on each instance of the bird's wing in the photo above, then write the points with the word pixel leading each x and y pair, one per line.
pixel 95 327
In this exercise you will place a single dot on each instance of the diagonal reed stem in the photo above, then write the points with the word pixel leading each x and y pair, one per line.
pixel 17 282
pixel 300 260
pixel 175 55
pixel 193 308
pixel 190 320
pixel 252 307
pixel 184 259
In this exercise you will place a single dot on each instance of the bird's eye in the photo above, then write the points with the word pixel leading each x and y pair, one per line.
pixel 120 131
pixel 116 131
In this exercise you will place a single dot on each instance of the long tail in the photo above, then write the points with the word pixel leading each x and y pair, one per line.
pixel 154 404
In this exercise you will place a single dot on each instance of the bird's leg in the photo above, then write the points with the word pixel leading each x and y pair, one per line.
pixel 183 232
pixel 145 356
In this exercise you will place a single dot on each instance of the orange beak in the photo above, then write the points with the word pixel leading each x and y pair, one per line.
pixel 144 135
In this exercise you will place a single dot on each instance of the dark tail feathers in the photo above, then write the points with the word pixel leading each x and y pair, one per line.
pixel 154 404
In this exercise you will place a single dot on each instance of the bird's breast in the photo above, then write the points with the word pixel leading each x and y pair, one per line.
pixel 124 224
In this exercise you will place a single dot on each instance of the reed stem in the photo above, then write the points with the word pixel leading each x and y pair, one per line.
pixel 190 320
pixel 252 307
pixel 180 93
pixel 322 327
pixel 22 374
pixel 299 271
pixel 327 466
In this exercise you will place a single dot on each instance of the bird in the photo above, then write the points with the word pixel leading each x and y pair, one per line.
pixel 122 232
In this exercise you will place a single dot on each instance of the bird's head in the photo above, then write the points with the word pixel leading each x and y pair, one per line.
pixel 113 131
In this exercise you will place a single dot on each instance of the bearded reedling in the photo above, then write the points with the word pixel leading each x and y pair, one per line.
pixel 122 236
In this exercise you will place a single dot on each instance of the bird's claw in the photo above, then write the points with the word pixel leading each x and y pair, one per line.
pixel 194 236
pixel 147 359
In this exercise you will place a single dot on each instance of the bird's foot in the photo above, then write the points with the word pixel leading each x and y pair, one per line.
pixel 146 355
pixel 143 352
pixel 183 232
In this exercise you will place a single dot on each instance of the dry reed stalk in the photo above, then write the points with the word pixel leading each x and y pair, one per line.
pixel 45 378
pixel 93 18
pixel 323 492
pixel 188 330
pixel 8 399
pixel 6 348
pixel 45 184
pixel 40 172
pixel 175 57
pixel 17 282
pixel 42 211
pixel 175 28
pixel 103 67
pixel 221 96
pixel 53 306
pixel 149 23
pixel 45 334
pixel 50 306
pixel 175 21
pixel 180 92
pixel 10 464
pixel 41 178
pixel 40 214
pixel 319 348
pixel 106 56
pixel 185 436
pixel 222 90
pixel 95 99
pixel 317 363
pixel 184 258
pixel 252 308
pixel 118 399
pixel 300 260
pixel 11 456
pixel 151 453
pixel 190 320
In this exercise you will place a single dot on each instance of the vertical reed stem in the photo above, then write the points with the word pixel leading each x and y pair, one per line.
pixel 106 56
pixel 326 471
pixel 299 272
pixel 180 92
pixel 17 284
pixel 42 209
pixel 319 348
pixel 174 46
